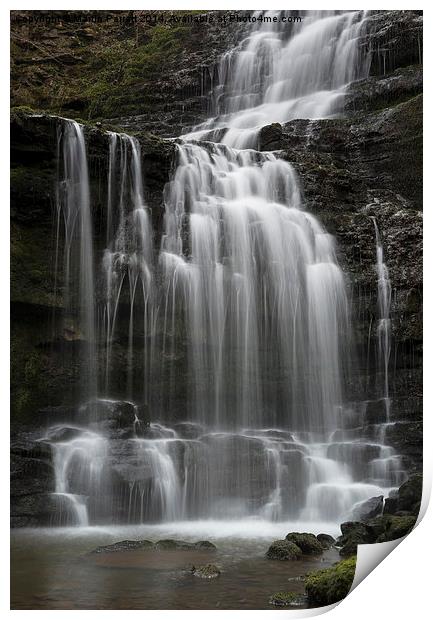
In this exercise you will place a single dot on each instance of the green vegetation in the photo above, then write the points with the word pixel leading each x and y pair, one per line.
pixel 97 70
pixel 330 585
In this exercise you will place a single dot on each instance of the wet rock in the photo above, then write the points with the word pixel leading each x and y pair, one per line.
pixel 376 412
pixel 207 571
pixel 284 550
pixel 63 433
pixel 369 509
pixel 396 527
pixel 326 540
pixel 375 92
pixel 407 498
pixel 330 585
pixel 307 543
pixel 41 510
pixel 288 599
pixel 124 545
pixel 53 415
pixel 395 40
pixel 353 534
pixel 270 137
pixel 410 493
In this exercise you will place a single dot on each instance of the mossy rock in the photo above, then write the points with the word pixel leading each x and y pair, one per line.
pixel 283 550
pixel 307 543
pixel 330 585
pixel 326 540
pixel 396 527
pixel 287 599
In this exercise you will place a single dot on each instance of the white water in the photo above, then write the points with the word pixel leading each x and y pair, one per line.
pixel 74 212
pixel 384 320
pixel 251 281
pixel 271 77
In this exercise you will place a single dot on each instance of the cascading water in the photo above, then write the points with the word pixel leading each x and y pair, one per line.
pixel 271 77
pixel 384 321
pixel 253 282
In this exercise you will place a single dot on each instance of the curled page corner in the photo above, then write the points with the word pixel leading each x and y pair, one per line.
pixel 370 556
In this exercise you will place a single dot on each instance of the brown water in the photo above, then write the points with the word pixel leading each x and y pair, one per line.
pixel 51 570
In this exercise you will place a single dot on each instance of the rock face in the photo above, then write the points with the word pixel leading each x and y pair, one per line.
pixel 283 550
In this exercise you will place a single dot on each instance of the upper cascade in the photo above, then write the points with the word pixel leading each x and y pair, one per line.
pixel 283 71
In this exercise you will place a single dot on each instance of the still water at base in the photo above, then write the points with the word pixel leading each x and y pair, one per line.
pixel 51 568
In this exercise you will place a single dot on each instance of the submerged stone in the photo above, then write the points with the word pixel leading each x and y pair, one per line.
pixel 175 545
pixel 283 550
pixel 288 599
pixel 207 571
pixel 124 545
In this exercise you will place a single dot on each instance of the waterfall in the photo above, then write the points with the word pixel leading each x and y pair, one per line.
pixel 74 210
pixel 273 77
pixel 246 291
pixel 384 321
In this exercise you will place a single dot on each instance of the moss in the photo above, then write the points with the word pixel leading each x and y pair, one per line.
pixel 307 543
pixel 330 585
pixel 397 527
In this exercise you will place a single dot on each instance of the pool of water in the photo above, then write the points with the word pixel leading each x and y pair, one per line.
pixel 51 568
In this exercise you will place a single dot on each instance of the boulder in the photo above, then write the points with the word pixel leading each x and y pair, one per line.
pixel 307 543
pixel 326 540
pixel 369 509
pixel 288 599
pixel 410 493
pixel 330 585
pixel 283 550
pixel 353 534
pixel 396 527
pixel 207 571
pixel 406 500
